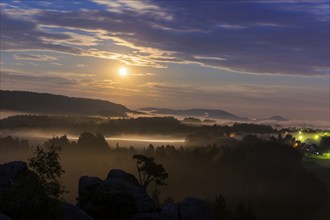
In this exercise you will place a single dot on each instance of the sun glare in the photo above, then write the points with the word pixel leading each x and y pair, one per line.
pixel 123 71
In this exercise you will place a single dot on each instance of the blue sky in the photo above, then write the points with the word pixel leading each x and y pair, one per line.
pixel 253 58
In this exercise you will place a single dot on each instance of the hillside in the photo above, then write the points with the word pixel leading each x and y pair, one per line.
pixel 45 103
pixel 210 113
pixel 277 118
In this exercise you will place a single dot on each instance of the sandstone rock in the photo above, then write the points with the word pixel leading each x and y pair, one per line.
pixel 116 173
pixel 4 217
pixel 87 183
pixel 148 216
pixel 170 212
pixel 22 195
pixel 11 172
pixel 143 202
pixel 119 196
pixel 71 212
pixel 195 209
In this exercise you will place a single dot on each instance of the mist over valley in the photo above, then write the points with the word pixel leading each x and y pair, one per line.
pixel 164 110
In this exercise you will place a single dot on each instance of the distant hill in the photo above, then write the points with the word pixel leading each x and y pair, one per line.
pixel 44 103
pixel 191 120
pixel 211 113
pixel 276 118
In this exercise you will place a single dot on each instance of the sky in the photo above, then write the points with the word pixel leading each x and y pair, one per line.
pixel 255 58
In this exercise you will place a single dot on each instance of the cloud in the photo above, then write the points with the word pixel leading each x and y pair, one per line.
pixel 72 39
pixel 19 34
pixel 143 7
pixel 143 74
pixel 80 65
pixel 38 37
pixel 208 58
pixel 319 8
pixel 252 101
pixel 103 84
pixel 34 57
pixel 22 13
pixel 50 82
pixel 10 77
pixel 57 64
pixel 269 38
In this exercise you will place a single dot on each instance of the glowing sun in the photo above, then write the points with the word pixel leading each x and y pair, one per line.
pixel 123 71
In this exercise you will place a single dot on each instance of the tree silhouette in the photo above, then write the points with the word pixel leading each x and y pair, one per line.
pixel 45 163
pixel 149 171
pixel 243 212
pixel 220 209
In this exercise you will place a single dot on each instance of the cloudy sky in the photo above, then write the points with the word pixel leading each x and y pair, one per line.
pixel 253 58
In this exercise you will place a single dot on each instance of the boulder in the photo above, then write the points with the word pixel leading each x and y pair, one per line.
pixel 170 211
pixel 117 173
pixel 195 209
pixel 87 184
pixel 148 216
pixel 4 217
pixel 117 197
pixel 22 195
pixel 142 201
pixel 120 196
pixel 16 173
pixel 71 212
pixel 11 172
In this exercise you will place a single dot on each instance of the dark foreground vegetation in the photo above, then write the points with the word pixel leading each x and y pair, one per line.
pixel 252 177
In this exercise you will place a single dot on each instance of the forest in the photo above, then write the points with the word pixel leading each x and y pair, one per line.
pixel 266 176
pixel 107 126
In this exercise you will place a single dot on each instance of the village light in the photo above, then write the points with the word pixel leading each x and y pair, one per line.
pixel 327 155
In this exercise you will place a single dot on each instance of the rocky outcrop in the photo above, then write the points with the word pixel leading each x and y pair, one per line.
pixel 122 182
pixel 4 217
pixel 148 216
pixel 120 174
pixel 194 209
pixel 187 209
pixel 118 196
pixel 170 211
pixel 71 212
pixel 22 197
pixel 10 173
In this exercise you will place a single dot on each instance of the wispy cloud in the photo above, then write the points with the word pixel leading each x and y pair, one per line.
pixel 34 57
pixel 81 65
pixel 103 84
pixel 271 38
pixel 143 74
pixel 10 77
pixel 144 7
pixel 57 64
